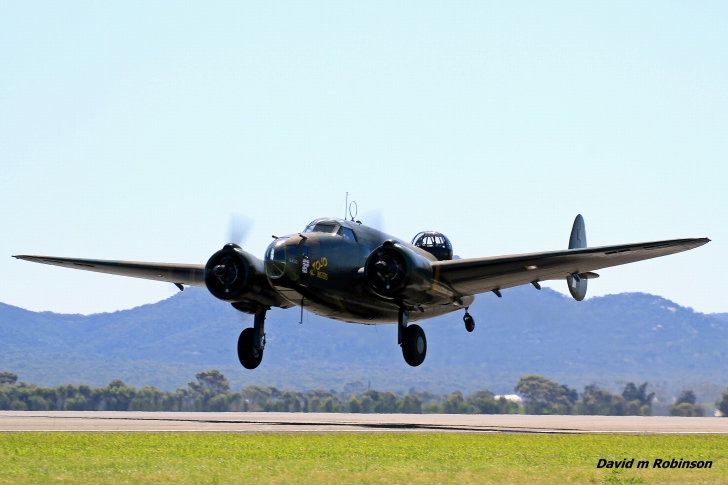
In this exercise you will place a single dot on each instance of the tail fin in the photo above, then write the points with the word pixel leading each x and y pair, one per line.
pixel 577 240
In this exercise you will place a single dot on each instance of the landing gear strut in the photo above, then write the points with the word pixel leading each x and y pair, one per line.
pixel 252 342
pixel 412 339
pixel 469 321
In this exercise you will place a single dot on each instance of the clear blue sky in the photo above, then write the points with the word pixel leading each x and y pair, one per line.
pixel 133 131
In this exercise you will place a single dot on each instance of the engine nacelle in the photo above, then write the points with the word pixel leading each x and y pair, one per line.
pixel 233 275
pixel 395 271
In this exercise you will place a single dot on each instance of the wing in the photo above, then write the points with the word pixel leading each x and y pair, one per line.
pixel 472 276
pixel 185 274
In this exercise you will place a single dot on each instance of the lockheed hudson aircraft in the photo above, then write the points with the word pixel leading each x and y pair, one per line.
pixel 344 270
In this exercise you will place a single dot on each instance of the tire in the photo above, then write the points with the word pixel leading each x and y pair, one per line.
pixel 249 357
pixel 469 323
pixel 414 345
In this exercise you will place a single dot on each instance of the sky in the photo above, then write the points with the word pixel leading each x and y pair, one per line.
pixel 135 130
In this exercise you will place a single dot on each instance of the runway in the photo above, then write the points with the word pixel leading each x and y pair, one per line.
pixel 24 421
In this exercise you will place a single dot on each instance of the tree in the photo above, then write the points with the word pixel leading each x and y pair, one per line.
pixel 544 396
pixel 412 404
pixel 77 403
pixel 722 404
pixel 600 402
pixel 638 399
pixel 384 402
pixel 484 402
pixel 37 403
pixel 212 380
pixel 18 406
pixel 292 401
pixel 685 405
pixel 685 409
pixel 687 397
pixel 117 396
pixel 255 396
pixel 218 403
pixel 147 399
pixel 456 404
pixel 8 378
pixel 634 393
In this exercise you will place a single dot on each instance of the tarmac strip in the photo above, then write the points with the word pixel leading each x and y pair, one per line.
pixel 132 421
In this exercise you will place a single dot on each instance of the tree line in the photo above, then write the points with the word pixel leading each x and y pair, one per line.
pixel 543 396
pixel 211 392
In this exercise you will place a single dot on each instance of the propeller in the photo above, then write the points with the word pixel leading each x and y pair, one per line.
pixel 239 228
pixel 389 268
pixel 224 270
pixel 374 219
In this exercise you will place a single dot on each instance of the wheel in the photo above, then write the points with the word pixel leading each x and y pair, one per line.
pixel 248 355
pixel 414 345
pixel 469 322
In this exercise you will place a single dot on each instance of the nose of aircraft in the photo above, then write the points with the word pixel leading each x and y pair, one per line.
pixel 282 259
pixel 275 258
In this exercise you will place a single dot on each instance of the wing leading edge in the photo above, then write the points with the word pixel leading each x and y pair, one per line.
pixel 183 274
pixel 479 275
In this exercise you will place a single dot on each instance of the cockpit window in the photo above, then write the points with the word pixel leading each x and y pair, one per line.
pixel 310 227
pixel 275 258
pixel 347 234
pixel 326 227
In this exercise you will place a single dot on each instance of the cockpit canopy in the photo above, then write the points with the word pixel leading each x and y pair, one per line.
pixel 435 243
pixel 331 226
pixel 318 225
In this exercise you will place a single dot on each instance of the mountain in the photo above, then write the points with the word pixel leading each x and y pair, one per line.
pixel 607 340
pixel 720 316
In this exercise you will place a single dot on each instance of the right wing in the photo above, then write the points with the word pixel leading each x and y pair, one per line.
pixel 181 274
pixel 478 275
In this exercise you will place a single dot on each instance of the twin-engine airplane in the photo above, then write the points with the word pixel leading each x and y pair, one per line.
pixel 344 270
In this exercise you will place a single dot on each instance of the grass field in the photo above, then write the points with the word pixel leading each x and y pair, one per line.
pixel 350 458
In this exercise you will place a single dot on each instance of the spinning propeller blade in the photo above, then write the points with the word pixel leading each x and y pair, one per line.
pixel 239 229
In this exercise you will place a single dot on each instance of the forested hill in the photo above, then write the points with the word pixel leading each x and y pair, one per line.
pixel 720 316
pixel 627 337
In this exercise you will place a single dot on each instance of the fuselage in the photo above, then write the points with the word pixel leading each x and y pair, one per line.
pixel 322 269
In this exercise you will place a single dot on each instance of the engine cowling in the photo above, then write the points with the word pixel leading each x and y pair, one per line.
pixel 227 271
pixel 235 276
pixel 395 271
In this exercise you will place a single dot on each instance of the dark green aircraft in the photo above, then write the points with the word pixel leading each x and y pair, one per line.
pixel 344 270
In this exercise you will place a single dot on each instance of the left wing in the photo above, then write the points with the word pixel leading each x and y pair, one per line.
pixel 181 274
pixel 478 275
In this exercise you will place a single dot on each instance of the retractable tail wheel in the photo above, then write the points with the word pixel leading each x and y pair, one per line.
pixel 414 345
pixel 469 322
pixel 249 356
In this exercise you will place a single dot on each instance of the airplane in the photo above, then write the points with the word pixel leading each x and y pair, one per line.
pixel 344 270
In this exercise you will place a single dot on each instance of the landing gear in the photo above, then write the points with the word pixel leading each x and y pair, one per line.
pixel 414 345
pixel 252 342
pixel 469 322
pixel 248 355
pixel 412 339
